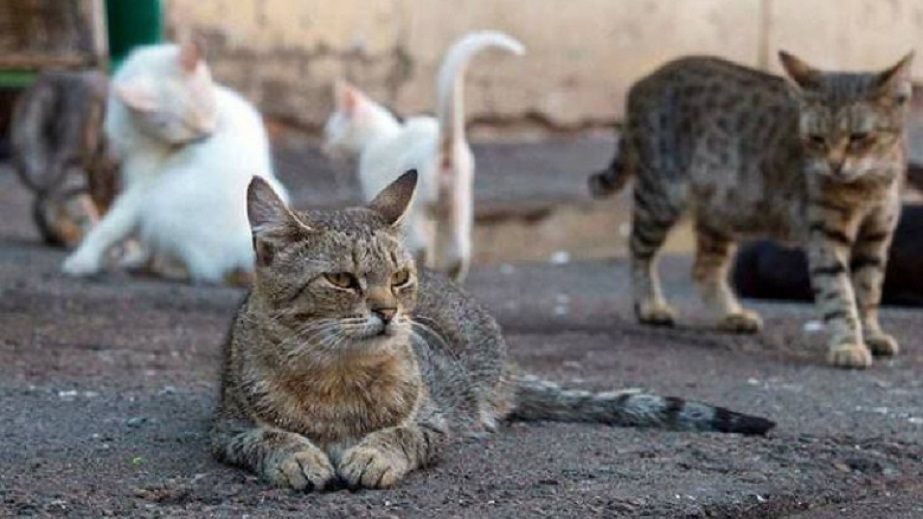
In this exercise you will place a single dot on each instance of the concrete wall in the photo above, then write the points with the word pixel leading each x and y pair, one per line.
pixel 583 54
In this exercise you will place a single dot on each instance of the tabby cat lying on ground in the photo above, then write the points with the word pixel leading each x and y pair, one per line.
pixel 818 162
pixel 345 362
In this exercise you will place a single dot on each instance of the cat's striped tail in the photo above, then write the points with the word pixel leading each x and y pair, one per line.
pixel 450 84
pixel 612 179
pixel 537 399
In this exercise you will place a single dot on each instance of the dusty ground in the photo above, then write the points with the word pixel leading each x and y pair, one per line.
pixel 106 387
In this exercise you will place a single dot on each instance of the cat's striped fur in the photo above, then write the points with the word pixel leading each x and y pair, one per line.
pixel 345 362
pixel 817 161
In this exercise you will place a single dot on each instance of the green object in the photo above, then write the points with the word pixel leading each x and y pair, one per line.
pixel 16 78
pixel 132 23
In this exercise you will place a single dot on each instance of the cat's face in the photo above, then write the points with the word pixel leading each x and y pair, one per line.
pixel 346 127
pixel 850 123
pixel 340 281
pixel 174 99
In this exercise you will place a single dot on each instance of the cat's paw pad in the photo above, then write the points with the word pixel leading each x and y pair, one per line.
pixel 369 467
pixel 850 355
pixel 81 265
pixel 656 314
pixel 307 469
pixel 744 321
pixel 882 344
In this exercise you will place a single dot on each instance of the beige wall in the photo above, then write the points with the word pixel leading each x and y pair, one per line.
pixel 582 54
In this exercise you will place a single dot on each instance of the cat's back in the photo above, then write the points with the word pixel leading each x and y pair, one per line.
pixel 463 329
pixel 444 302
pixel 412 147
pixel 461 353
pixel 711 83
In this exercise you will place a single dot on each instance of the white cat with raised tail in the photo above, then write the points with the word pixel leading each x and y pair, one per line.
pixel 439 224
pixel 188 148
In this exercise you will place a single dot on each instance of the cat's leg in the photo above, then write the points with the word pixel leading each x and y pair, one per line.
pixel 828 251
pixel 869 259
pixel 283 458
pixel 420 237
pixel 383 457
pixel 652 219
pixel 135 256
pixel 201 267
pixel 455 246
pixel 117 223
pixel 710 272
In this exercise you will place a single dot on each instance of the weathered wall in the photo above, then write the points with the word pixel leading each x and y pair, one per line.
pixel 582 54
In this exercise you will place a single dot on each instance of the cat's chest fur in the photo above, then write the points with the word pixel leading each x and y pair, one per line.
pixel 339 404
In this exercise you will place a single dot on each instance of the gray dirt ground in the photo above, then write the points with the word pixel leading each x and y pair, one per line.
pixel 106 387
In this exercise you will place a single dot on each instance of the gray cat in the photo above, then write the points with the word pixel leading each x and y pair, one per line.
pixel 817 162
pixel 346 362
pixel 60 153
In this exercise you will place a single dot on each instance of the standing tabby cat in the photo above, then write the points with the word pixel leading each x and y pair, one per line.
pixel 818 162
pixel 346 362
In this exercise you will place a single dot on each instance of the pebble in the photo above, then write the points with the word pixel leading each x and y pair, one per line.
pixel 167 390
pixel 561 257
pixel 136 421
pixel 624 229
pixel 813 326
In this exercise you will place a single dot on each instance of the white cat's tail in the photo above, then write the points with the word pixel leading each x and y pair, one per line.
pixel 450 83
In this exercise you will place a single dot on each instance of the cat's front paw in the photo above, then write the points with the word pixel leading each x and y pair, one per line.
pixel 306 469
pixel 882 344
pixel 850 355
pixel 371 467
pixel 82 264
pixel 744 321
pixel 655 314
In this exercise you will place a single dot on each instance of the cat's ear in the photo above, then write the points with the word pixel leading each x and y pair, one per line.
pixel 393 202
pixel 348 98
pixel 804 75
pixel 272 223
pixel 137 95
pixel 894 82
pixel 191 53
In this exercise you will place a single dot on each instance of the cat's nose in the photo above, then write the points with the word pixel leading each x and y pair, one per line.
pixel 385 314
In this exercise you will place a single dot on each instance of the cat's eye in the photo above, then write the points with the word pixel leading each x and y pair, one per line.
pixel 817 140
pixel 859 137
pixel 400 278
pixel 342 280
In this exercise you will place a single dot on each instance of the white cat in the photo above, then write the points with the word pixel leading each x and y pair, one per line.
pixel 188 148
pixel 439 224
